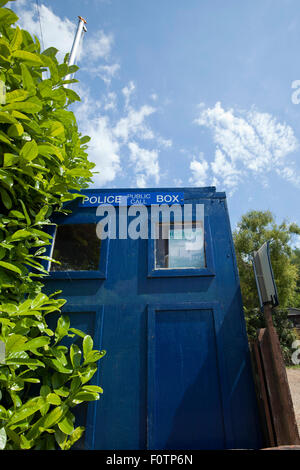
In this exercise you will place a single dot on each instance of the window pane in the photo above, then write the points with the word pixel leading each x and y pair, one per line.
pixel 77 247
pixel 184 248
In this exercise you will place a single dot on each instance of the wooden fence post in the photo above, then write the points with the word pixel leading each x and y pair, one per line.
pixel 283 415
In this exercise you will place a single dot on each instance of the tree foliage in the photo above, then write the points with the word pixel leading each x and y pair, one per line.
pixel 255 228
pixel 296 262
pixel 43 164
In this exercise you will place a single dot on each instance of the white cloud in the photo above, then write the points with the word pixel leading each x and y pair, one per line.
pixel 134 124
pixel 113 138
pixel 104 150
pixel 110 101
pixel 289 174
pixel 224 169
pixel 88 107
pixel 199 169
pixel 127 92
pixel 247 143
pixel 178 182
pixel 98 46
pixel 105 72
pixel 165 143
pixel 145 164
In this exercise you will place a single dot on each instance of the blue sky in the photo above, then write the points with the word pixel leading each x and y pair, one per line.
pixel 187 93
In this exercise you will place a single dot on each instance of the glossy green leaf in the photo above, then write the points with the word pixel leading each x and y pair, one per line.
pixel 33 344
pixel 28 82
pixel 14 341
pixel 24 443
pixel 86 396
pixel 92 388
pixel 85 139
pixel 18 115
pixel 10 267
pixel 75 355
pixel 10 159
pixel 63 391
pixel 61 438
pixel 86 375
pixel 94 356
pixel 33 59
pixel 57 365
pixel 9 308
pixel 78 332
pixel 6 177
pixel 39 300
pixel 87 345
pixel 75 436
pixel 17 39
pixel 16 95
pixel 63 325
pixel 6 199
pixel 59 379
pixel 29 151
pixel 66 425
pixel 53 399
pixel 20 234
pixel 72 95
pixel 53 417
pixel 31 363
pixel 24 106
pixel 15 130
pixel 25 411
pixel 5 139
pixel 7 118
pixel 7 16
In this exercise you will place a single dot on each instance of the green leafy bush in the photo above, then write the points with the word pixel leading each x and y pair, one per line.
pixel 43 164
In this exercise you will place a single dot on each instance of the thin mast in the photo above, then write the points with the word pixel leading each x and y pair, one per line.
pixel 80 28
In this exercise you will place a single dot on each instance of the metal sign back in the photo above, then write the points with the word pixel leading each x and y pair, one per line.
pixel 264 277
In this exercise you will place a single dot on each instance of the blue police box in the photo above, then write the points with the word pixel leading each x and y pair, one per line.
pixel 168 311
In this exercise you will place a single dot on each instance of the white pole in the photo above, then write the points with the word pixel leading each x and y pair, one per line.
pixel 81 27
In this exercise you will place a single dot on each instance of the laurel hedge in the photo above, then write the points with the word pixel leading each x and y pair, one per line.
pixel 43 165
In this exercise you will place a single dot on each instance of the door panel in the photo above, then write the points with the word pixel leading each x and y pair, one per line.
pixel 184 395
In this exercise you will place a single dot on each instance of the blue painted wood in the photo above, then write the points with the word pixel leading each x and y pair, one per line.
pixel 204 317
pixel 176 363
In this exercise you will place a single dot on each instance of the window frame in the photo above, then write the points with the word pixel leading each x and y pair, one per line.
pixel 100 273
pixel 208 271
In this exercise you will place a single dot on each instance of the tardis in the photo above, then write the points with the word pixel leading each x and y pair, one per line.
pixel 163 299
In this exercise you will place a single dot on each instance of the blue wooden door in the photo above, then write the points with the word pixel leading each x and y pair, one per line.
pixel 177 373
pixel 185 398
